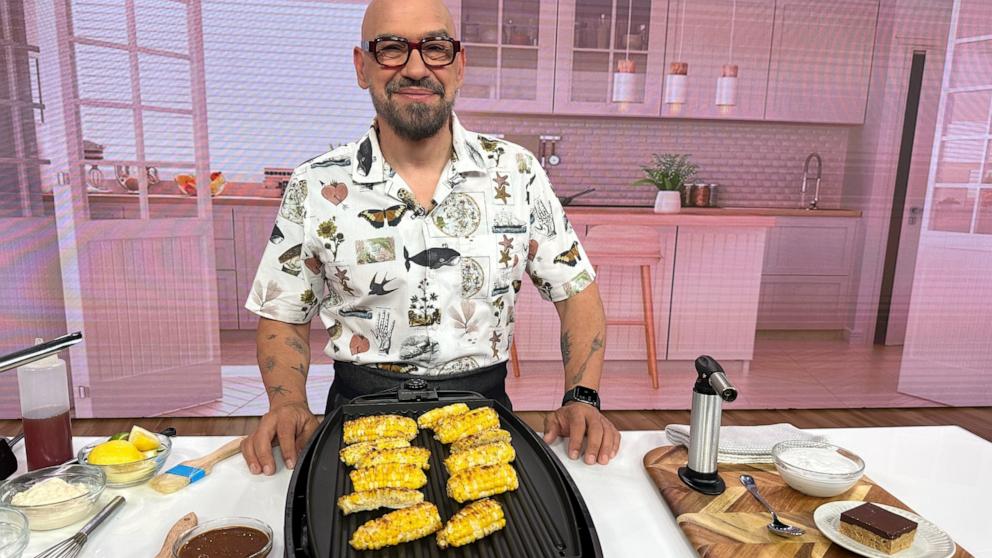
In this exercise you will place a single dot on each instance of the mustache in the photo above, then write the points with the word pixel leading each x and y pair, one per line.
pixel 424 83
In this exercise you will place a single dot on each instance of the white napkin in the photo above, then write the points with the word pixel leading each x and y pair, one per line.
pixel 744 444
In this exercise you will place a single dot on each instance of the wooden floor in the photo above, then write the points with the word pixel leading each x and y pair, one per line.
pixel 975 419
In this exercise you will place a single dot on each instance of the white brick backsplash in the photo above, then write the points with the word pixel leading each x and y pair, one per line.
pixel 756 164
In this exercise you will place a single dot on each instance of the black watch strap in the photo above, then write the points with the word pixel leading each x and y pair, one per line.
pixel 581 394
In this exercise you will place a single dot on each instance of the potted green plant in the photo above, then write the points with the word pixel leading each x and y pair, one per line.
pixel 668 173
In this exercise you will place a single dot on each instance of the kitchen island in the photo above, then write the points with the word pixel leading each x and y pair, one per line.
pixel 936 470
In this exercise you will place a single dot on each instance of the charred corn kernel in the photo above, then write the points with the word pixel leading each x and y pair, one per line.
pixel 479 482
pixel 434 416
pixel 409 456
pixel 367 429
pixel 390 475
pixel 350 455
pixel 479 456
pixel 397 527
pixel 367 500
pixel 471 523
pixel 484 437
pixel 472 422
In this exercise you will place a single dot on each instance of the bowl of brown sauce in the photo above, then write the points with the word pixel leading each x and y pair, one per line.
pixel 230 537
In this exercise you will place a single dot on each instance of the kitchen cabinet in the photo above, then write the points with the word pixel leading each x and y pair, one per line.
pixel 821 60
pixel 806 277
pixel 715 288
pixel 510 45
pixel 594 37
pixel 706 34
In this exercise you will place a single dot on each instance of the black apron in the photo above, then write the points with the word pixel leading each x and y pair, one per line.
pixel 352 380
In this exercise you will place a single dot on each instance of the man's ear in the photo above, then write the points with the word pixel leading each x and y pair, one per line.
pixel 359 57
pixel 460 64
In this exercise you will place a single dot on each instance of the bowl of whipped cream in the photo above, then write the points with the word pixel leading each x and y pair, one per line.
pixel 54 497
pixel 818 469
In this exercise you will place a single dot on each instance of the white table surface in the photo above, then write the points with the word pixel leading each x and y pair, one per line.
pixel 940 471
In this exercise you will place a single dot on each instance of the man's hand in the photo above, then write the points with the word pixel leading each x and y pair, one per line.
pixel 292 423
pixel 577 421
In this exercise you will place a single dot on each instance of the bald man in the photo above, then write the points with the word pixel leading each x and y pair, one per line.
pixel 411 245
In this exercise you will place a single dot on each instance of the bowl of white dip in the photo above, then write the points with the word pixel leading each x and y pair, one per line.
pixel 54 497
pixel 818 469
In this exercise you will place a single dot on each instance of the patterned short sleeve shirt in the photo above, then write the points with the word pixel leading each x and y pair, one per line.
pixel 424 291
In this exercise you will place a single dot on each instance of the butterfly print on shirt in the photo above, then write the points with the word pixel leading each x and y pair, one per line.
pixel 379 218
pixel 569 257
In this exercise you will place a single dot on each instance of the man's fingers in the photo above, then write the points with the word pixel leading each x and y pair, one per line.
pixel 616 444
pixel 594 440
pixel 609 442
pixel 551 428
pixel 286 431
pixel 248 451
pixel 262 443
pixel 576 431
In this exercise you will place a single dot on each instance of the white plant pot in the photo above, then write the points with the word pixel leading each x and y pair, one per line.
pixel 668 202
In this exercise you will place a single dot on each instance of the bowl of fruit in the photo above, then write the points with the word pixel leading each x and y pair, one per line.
pixel 128 458
pixel 187 183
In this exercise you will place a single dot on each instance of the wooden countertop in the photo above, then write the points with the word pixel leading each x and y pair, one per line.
pixel 640 214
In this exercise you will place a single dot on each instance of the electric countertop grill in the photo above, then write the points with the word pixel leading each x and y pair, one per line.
pixel 545 517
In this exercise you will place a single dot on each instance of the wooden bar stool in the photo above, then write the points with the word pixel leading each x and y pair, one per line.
pixel 616 246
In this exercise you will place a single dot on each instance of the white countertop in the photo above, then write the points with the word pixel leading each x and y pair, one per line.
pixel 940 471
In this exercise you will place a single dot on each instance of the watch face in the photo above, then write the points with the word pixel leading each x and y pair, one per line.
pixel 587 395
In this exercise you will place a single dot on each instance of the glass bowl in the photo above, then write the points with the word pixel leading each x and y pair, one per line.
pixel 226 523
pixel 135 472
pixel 14 533
pixel 59 514
pixel 818 469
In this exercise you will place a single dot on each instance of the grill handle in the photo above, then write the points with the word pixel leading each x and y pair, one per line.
pixel 416 389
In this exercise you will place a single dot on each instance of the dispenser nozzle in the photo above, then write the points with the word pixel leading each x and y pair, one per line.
pixel 712 380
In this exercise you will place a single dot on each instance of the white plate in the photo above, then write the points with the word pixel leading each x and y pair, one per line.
pixel 930 541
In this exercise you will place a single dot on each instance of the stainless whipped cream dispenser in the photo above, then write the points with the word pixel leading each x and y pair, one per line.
pixel 711 390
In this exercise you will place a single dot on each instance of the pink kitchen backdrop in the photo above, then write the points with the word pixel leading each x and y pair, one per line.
pixel 120 118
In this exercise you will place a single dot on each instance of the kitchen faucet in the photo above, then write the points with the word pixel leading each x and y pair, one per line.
pixel 819 173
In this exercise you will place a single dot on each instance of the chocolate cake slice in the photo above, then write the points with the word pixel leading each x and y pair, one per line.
pixel 877 528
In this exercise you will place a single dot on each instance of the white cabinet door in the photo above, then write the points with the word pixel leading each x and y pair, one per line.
pixel 699 34
pixel 821 60
pixel 593 39
pixel 510 47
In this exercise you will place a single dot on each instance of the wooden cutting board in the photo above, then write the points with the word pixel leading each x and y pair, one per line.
pixel 733 523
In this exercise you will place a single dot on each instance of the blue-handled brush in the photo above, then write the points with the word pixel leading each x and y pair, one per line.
pixel 188 472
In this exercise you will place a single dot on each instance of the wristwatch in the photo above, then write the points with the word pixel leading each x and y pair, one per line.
pixel 581 394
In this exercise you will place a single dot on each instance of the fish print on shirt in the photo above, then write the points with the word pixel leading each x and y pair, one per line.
pixel 365 157
pixel 409 288
pixel 433 258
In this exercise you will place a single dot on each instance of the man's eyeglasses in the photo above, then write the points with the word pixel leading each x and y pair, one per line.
pixel 394 52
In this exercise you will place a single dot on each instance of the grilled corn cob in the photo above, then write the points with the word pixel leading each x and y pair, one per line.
pixel 397 527
pixel 471 523
pixel 410 456
pixel 350 455
pixel 487 454
pixel 479 482
pixel 367 500
pixel 390 475
pixel 472 422
pixel 484 437
pixel 366 429
pixel 434 416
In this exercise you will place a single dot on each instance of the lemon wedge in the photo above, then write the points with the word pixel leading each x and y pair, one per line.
pixel 114 452
pixel 143 439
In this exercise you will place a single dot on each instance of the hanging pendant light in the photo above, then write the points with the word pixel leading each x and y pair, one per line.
pixel 625 77
pixel 726 84
pixel 677 80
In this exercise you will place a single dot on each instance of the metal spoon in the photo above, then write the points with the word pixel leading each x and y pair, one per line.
pixel 775 526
